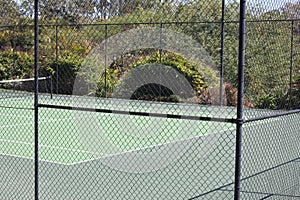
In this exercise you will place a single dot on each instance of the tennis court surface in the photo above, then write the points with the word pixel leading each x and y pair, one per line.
pixel 90 154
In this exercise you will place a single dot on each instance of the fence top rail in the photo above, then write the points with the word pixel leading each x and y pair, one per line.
pixel 151 23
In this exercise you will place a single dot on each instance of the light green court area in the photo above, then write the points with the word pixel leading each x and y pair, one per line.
pixel 72 136
pixel 144 156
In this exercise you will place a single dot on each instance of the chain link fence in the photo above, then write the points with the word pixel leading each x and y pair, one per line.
pixel 150 100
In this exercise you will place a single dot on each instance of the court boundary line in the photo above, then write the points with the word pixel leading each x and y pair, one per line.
pixel 42 145
pixel 143 148
pixel 16 115
pixel 115 154
pixel 105 156
pixel 43 160
pixel 16 100
pixel 16 125
pixel 16 108
pixel 42 121
pixel 29 158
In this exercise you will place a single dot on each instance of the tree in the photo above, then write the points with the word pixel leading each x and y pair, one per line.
pixel 8 12
pixel 292 10
pixel 122 7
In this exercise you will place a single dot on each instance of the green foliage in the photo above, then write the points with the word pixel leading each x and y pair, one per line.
pixel 67 66
pixel 267 63
pixel 116 71
pixel 198 11
pixel 5 38
pixel 74 40
pixel 266 101
pixel 107 83
pixel 8 12
pixel 274 100
pixel 294 95
pixel 267 53
pixel 179 63
pixel 19 38
pixel 293 100
pixel 14 65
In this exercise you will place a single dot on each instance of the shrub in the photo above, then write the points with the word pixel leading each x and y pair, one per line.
pixel 273 100
pixel 66 66
pixel 15 65
pixel 294 95
pixel 135 59
pixel 20 39
pixel 266 101
pixel 180 64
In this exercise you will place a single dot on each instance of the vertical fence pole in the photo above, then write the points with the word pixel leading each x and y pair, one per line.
pixel 239 128
pixel 160 41
pixel 222 52
pixel 105 60
pixel 12 73
pixel 36 109
pixel 51 87
pixel 160 57
pixel 291 64
pixel 13 43
pixel 56 58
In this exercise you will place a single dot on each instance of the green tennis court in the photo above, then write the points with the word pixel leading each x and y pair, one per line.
pixel 73 136
pixel 113 155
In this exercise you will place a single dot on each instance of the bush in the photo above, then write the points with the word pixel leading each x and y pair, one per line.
pixel 15 65
pixel 19 38
pixel 67 66
pixel 180 64
pixel 273 100
pixel 135 59
pixel 266 101
pixel 294 95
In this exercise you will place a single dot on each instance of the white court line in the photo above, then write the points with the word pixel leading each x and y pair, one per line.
pixel 47 146
pixel 121 153
pixel 19 116
pixel 30 158
pixel 16 142
pixel 102 157
pixel 16 125
pixel 56 120
pixel 43 121
pixel 153 146
pixel 158 145
pixel 19 101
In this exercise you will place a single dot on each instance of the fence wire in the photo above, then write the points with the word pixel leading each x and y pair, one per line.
pixel 138 100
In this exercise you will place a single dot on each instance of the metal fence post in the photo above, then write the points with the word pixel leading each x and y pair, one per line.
pixel 36 108
pixel 222 52
pixel 239 128
pixel 291 64
pixel 56 58
pixel 105 60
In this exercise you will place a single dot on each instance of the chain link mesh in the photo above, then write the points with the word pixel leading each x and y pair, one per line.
pixel 138 99
pixel 271 147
